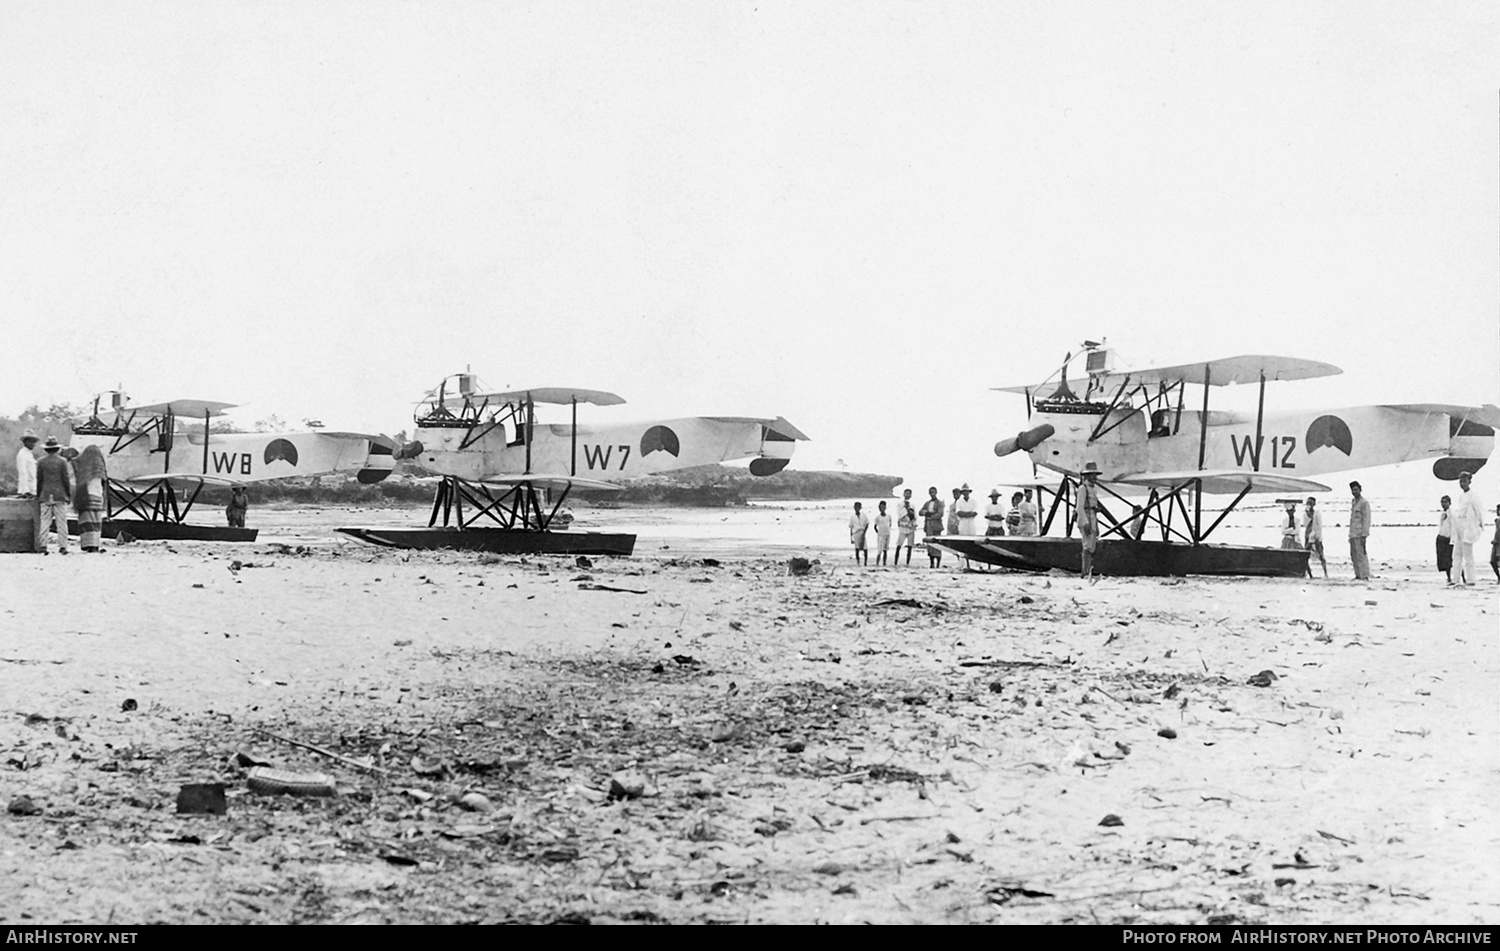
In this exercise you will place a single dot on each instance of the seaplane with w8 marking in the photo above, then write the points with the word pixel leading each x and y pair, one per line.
pixel 504 476
pixel 1139 432
pixel 158 463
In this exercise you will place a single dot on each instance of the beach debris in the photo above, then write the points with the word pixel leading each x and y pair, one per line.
pixel 626 786
pixel 1283 882
pixel 830 868
pixel 584 561
pixel 796 746
pixel 1111 820
pixel 909 603
pixel 476 802
pixel 129 705
pixel 1371 604
pixel 799 566
pixel 846 889
pixel 685 660
pixel 203 798
pixel 1001 894
pixel 246 759
pixel 1167 733
pixel 1122 747
pixel 736 626
pixel 710 562
pixel 1026 599
pixel 420 795
pixel 396 859
pixel 357 764
pixel 23 806
pixel 1172 691
pixel 1335 838
pixel 658 669
pixel 588 586
pixel 423 768
pixel 273 782
pixel 997 686
pixel 466 831
pixel 1263 679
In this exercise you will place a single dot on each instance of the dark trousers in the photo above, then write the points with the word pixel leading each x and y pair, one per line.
pixel 1444 554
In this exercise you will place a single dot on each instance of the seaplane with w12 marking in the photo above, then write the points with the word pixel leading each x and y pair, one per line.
pixel 1139 432
pixel 153 459
pixel 504 476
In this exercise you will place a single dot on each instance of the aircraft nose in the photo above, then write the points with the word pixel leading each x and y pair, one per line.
pixel 1027 440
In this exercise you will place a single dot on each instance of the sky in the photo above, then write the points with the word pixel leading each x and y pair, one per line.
pixel 858 215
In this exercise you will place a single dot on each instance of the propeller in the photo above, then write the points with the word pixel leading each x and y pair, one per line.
pixel 1027 440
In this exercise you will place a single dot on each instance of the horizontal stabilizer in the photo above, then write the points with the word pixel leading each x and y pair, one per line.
pixel 1224 481
pixel 1488 414
pixel 778 425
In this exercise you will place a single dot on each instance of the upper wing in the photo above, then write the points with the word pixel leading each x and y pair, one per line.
pixel 192 408
pixel 1242 369
pixel 1225 481
pixel 541 394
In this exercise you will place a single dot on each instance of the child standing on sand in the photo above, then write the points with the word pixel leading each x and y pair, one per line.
pixel 859 525
pixel 882 535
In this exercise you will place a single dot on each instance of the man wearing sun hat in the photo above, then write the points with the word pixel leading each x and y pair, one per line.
pixel 967 511
pixel 1088 516
pixel 26 465
pixel 54 487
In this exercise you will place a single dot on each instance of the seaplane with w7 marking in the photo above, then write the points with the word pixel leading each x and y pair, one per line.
pixel 158 464
pixel 504 476
pixel 1139 431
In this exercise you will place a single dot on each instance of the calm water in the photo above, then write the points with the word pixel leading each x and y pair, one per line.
pixel 1403 531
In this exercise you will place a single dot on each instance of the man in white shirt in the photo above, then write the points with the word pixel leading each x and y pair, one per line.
pixel 26 466
pixel 859 526
pixel 994 515
pixel 1289 525
pixel 1312 527
pixel 967 511
pixel 1468 525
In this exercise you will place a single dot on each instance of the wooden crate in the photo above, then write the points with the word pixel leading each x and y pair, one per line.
pixel 17 524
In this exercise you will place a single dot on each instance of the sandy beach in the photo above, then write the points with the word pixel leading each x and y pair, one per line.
pixel 668 739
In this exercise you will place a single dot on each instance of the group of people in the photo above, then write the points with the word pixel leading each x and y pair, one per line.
pixel 962 517
pixel 57 481
pixel 1460 526
pixel 58 478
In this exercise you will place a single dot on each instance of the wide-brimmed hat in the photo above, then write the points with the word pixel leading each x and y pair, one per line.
pixel 965 488
pixel 994 493
pixel 29 434
pixel 51 444
pixel 1090 468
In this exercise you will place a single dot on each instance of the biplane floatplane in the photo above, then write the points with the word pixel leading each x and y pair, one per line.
pixel 157 467
pixel 1138 428
pixel 504 476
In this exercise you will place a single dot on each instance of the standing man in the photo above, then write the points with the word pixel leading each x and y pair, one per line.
pixel 1313 527
pixel 26 466
pixel 994 515
pixel 239 504
pixel 882 535
pixel 1468 526
pixel 953 513
pixel 1359 530
pixel 906 528
pixel 967 511
pixel 1028 516
pixel 1088 517
pixel 54 487
pixel 1289 526
pixel 932 524
pixel 1445 540
pixel 859 524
